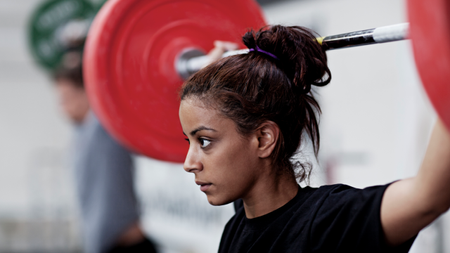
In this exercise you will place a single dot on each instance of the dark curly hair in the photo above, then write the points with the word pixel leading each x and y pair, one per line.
pixel 257 87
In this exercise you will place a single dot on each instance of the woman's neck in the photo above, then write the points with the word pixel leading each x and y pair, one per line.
pixel 271 193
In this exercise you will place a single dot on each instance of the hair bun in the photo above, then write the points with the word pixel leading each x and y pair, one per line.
pixel 300 56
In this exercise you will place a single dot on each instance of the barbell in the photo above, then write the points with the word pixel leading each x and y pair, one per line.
pixel 139 51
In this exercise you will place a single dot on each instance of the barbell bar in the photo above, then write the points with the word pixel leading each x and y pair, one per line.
pixel 192 60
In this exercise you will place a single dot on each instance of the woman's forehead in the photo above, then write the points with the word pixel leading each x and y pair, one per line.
pixel 193 101
pixel 194 113
pixel 195 109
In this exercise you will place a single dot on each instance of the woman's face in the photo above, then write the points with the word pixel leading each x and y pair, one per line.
pixel 224 162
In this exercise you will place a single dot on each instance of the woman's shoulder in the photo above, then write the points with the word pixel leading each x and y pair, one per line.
pixel 335 196
pixel 342 189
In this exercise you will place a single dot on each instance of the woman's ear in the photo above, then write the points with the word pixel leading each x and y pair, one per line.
pixel 267 134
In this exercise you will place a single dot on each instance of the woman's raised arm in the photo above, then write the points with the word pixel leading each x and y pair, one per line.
pixel 411 204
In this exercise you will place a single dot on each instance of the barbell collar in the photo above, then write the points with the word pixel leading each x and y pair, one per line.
pixel 190 61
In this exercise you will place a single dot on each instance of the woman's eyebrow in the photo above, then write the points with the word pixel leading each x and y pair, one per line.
pixel 200 128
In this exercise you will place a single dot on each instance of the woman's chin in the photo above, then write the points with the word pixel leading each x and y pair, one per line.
pixel 215 201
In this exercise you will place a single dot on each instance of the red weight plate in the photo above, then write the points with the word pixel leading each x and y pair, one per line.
pixel 129 64
pixel 430 35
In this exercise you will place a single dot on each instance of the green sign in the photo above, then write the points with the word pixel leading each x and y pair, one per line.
pixel 97 3
pixel 46 27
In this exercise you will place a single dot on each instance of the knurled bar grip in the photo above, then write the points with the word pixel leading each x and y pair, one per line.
pixel 366 37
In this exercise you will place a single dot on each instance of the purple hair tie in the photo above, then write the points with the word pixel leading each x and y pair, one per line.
pixel 264 52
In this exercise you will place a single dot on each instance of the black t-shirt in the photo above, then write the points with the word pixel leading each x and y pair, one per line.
pixel 333 218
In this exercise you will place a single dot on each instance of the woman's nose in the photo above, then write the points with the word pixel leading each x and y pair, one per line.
pixel 192 163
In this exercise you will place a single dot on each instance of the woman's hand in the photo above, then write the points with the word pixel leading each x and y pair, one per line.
pixel 220 47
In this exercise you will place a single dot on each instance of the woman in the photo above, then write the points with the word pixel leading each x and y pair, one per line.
pixel 245 116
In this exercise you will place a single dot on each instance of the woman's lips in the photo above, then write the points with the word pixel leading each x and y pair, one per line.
pixel 203 186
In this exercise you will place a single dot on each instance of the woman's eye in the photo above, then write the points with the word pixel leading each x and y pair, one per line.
pixel 204 143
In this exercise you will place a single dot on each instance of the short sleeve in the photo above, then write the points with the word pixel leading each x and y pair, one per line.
pixel 348 220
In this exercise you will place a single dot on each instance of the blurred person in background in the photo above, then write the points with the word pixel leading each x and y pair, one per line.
pixel 103 171
pixel 103 168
